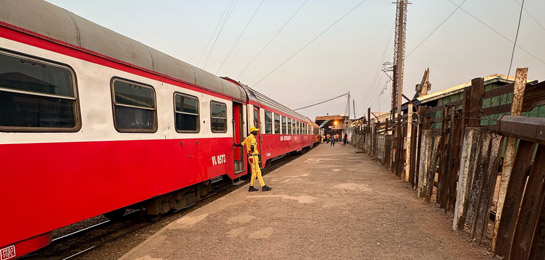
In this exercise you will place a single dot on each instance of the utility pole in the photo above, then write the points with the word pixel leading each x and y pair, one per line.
pixel 399 52
pixel 397 89
pixel 348 104
pixel 354 108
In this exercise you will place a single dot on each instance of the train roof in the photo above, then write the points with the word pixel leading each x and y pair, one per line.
pixel 259 98
pixel 49 20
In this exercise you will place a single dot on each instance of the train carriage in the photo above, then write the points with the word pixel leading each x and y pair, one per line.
pixel 92 122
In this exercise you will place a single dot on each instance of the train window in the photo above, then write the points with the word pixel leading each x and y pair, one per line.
pixel 218 117
pixel 284 125
pixel 36 95
pixel 134 107
pixel 268 122
pixel 256 119
pixel 186 113
pixel 276 123
pixel 289 126
pixel 293 129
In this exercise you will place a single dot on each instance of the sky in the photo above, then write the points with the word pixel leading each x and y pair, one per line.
pixel 302 52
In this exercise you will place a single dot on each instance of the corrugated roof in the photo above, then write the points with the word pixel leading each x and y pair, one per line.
pixel 459 88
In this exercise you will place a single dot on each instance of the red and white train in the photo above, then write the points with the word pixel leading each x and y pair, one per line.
pixel 92 122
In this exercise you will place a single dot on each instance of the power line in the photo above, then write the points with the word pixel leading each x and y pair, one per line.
pixel 434 30
pixel 306 45
pixel 498 33
pixel 384 54
pixel 274 37
pixel 322 102
pixel 516 38
pixel 240 36
pixel 215 30
pixel 531 16
pixel 219 33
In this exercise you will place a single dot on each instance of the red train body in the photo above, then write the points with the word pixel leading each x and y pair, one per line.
pixel 89 124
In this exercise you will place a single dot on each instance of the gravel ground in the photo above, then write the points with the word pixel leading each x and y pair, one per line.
pixel 331 203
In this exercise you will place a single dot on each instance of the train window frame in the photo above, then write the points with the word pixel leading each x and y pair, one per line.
pixel 284 126
pixel 75 98
pixel 212 117
pixel 256 118
pixel 114 104
pixel 276 116
pixel 269 123
pixel 293 127
pixel 289 126
pixel 198 114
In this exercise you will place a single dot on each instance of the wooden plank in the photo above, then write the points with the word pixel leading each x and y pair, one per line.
pixel 513 197
pixel 534 95
pixel 468 164
pixel 476 188
pixel 409 147
pixel 442 190
pixel 421 110
pixel 529 211
pixel 489 183
pixel 509 158
pixel 432 169
pixel 414 160
pixel 426 152
pixel 497 109
pixel 455 160
pixel 466 107
pixel 505 89
pixel 434 109
pixel 476 100
pixel 538 243
pixel 454 103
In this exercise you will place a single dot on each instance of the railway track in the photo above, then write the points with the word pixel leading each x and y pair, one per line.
pixel 100 231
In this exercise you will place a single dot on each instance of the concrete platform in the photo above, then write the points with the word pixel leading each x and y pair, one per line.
pixel 331 203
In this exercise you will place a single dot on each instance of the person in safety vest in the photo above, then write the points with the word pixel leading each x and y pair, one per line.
pixel 253 158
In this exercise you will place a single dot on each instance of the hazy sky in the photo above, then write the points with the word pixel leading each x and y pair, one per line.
pixel 306 63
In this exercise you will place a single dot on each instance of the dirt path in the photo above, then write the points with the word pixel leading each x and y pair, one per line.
pixel 331 203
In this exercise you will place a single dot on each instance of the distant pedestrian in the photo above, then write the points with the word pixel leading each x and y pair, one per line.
pixel 345 139
pixel 253 158
pixel 332 141
pixel 327 137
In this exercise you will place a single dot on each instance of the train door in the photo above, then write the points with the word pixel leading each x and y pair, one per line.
pixel 257 124
pixel 238 134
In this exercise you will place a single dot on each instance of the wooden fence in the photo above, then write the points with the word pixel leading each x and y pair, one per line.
pixel 453 156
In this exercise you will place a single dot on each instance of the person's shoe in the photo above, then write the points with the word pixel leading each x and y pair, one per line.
pixel 252 189
pixel 266 188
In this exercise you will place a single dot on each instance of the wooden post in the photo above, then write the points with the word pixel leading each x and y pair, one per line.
pixel 454 162
pixel 487 192
pixel 513 197
pixel 443 161
pixel 421 115
pixel 468 165
pixel 477 186
pixel 530 209
pixel 425 162
pixel 408 140
pixel 369 118
pixel 476 99
pixel 509 158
